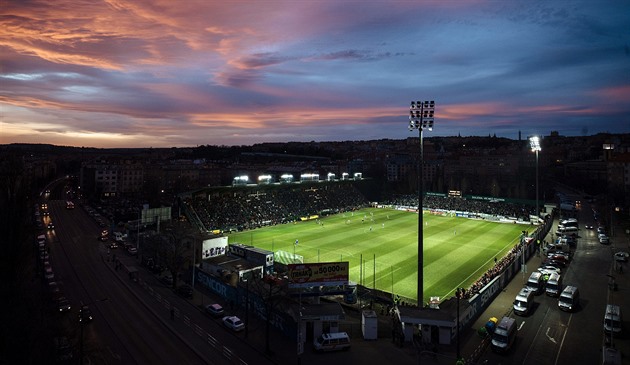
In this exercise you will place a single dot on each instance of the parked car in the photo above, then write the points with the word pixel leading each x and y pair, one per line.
pixel 185 291
pixel 215 310
pixel 132 251
pixel 560 259
pixel 555 263
pixel 559 256
pixel 604 240
pixel 167 279
pixel 621 256
pixel 548 269
pixel 234 323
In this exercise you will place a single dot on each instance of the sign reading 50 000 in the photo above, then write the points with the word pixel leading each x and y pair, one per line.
pixel 323 273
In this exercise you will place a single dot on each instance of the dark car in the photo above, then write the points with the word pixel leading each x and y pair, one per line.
pixel 85 315
pixel 559 257
pixel 185 291
pixel 215 310
pixel 63 350
pixel 556 263
pixel 167 279
pixel 63 305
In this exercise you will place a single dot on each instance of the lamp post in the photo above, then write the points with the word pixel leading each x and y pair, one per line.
pixel 421 118
pixel 534 143
pixel 138 231
pixel 246 306
pixel 458 294
pixel 267 326
pixel 300 345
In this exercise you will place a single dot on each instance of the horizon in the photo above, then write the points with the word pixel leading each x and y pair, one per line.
pixel 425 138
pixel 150 73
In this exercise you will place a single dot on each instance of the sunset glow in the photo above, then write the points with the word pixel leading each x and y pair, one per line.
pixel 119 73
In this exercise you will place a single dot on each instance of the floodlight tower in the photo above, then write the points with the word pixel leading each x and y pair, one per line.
pixel 421 118
pixel 534 143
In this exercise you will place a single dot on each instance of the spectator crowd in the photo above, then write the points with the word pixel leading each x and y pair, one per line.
pixel 498 208
pixel 247 208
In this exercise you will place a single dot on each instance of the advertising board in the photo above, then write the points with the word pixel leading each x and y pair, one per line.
pixel 214 247
pixel 316 274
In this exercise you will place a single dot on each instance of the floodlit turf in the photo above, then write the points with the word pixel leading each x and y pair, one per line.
pixel 457 251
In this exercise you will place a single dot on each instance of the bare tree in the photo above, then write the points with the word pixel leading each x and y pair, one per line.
pixel 175 242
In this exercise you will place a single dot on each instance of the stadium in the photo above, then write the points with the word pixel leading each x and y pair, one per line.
pixel 467 240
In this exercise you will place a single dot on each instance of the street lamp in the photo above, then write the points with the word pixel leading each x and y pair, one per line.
pixel 459 293
pixel 421 118
pixel 534 143
pixel 246 306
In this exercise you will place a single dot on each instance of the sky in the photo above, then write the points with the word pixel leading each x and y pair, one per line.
pixel 163 73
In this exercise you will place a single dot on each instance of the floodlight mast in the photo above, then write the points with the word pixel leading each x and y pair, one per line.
pixel 534 143
pixel 421 118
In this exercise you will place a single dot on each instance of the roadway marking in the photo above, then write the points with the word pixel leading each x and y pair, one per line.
pixel 521 326
pixel 549 337
pixel 114 355
pixel 531 346
pixel 563 337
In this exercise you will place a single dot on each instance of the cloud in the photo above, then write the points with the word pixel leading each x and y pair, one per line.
pixel 204 72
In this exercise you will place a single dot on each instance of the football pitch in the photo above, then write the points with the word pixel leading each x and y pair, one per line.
pixel 457 251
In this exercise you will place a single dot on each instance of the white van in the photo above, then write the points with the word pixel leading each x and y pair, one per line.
pixel 567 230
pixel 571 222
pixel 553 288
pixel 332 342
pixel 611 356
pixel 524 302
pixel 504 335
pixel 612 319
pixel 569 299
pixel 536 282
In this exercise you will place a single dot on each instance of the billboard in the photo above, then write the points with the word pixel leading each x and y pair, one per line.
pixel 214 247
pixel 316 274
pixel 152 215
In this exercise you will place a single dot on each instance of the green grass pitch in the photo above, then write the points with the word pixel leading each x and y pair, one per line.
pixel 457 251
